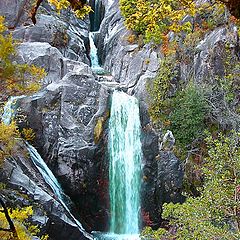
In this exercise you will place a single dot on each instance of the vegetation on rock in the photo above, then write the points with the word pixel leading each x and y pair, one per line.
pixel 214 214
pixel 189 109
pixel 16 79
pixel 80 8
pixel 155 19
pixel 188 106
pixel 14 225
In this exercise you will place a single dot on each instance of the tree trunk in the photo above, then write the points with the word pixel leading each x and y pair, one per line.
pixel 10 222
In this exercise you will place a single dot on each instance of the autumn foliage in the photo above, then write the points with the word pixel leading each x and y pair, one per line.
pixel 15 78
pixel 80 8
pixel 156 19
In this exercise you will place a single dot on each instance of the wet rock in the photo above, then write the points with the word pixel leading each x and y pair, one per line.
pixel 29 188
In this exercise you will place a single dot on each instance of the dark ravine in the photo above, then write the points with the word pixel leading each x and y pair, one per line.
pixel 70 114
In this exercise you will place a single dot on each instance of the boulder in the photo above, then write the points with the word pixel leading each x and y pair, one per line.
pixel 64 116
pixel 28 187
pixel 45 56
pixel 65 32
pixel 16 12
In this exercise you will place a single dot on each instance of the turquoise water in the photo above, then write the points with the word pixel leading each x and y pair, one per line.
pixel 125 156
pixel 109 236
pixel 93 55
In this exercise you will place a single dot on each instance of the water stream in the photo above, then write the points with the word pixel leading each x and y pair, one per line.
pixel 50 179
pixel 93 55
pixel 125 155
pixel 125 163
pixel 95 25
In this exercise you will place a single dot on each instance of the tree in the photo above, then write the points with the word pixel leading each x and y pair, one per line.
pixel 16 79
pixel 155 19
pixel 189 109
pixel 13 223
pixel 216 213
pixel 80 8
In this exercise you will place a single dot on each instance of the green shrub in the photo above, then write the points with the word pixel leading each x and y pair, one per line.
pixel 189 110
pixel 159 91
pixel 214 214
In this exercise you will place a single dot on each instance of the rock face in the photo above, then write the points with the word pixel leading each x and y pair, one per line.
pixel 67 112
pixel 22 177
pixel 19 13
pixel 65 32
pixel 70 113
pixel 133 65
pixel 45 56
pixel 130 62
pixel 162 177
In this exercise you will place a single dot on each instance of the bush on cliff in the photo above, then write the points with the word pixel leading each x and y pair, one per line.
pixel 215 214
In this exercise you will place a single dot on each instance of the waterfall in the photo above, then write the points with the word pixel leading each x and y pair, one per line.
pixel 95 19
pixel 50 179
pixel 9 109
pixel 125 156
pixel 93 55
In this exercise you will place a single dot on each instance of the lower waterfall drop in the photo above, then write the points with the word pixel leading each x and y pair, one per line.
pixel 7 116
pixel 125 155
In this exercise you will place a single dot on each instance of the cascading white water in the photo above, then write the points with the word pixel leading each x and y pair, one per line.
pixel 93 55
pixel 95 22
pixel 50 179
pixel 125 155
pixel 9 111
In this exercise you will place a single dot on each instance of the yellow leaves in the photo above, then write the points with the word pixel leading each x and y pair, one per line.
pixel 79 9
pixel 16 78
pixel 98 129
pixel 2 27
pixel 59 4
pixel 81 13
pixel 8 134
pixel 21 214
pixel 155 19
pixel 28 134
pixel 25 231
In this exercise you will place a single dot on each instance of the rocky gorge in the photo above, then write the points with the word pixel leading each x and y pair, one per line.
pixel 70 115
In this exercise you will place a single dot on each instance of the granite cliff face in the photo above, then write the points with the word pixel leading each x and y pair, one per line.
pixel 70 113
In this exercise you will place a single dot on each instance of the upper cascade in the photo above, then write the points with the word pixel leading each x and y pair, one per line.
pixel 93 55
